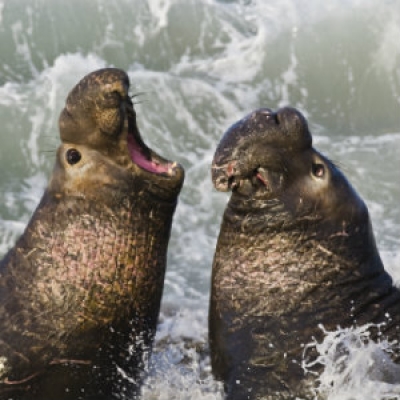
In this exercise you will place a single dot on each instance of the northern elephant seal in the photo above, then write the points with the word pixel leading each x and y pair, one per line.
pixel 80 292
pixel 295 251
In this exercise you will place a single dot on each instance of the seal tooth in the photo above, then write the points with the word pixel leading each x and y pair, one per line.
pixel 172 167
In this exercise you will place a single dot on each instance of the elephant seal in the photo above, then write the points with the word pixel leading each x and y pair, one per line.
pixel 295 251
pixel 80 292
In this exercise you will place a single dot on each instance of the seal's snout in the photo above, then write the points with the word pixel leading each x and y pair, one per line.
pixel 294 127
pixel 253 148
pixel 95 108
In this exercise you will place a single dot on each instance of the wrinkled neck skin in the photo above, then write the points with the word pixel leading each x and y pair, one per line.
pixel 277 276
pixel 91 270
pixel 301 254
pixel 259 219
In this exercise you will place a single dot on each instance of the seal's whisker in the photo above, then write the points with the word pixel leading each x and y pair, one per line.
pixel 52 151
pixel 140 102
pixel 51 137
pixel 340 165
pixel 132 96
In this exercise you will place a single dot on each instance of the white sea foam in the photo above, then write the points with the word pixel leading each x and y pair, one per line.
pixel 355 367
pixel 180 366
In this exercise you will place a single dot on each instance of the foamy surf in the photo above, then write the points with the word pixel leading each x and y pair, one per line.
pixel 354 366
pixel 180 365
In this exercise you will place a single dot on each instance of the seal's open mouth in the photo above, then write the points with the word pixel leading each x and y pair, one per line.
pixel 144 157
pixel 144 161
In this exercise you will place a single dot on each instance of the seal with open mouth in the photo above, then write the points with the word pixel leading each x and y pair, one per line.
pixel 80 292
pixel 295 251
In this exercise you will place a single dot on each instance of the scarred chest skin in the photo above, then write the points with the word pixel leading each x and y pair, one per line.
pixel 86 268
pixel 287 261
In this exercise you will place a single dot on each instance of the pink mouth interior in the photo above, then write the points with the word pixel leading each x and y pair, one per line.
pixel 140 160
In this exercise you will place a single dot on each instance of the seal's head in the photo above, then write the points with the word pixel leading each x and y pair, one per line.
pixel 98 129
pixel 269 155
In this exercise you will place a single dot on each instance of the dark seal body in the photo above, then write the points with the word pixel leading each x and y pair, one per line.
pixel 80 292
pixel 295 252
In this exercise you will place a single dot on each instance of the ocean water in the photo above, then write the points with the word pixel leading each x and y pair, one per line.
pixel 201 65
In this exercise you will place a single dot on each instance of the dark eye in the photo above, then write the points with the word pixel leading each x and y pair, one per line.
pixel 73 156
pixel 318 170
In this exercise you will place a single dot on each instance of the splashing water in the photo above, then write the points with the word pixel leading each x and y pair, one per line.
pixel 355 366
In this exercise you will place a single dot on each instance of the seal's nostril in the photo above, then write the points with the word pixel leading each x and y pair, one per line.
pixel 266 112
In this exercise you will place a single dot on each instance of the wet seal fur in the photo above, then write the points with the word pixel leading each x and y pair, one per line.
pixel 295 251
pixel 80 292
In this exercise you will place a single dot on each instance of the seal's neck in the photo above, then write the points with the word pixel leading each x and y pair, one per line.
pixel 111 253
pixel 274 235
pixel 252 216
